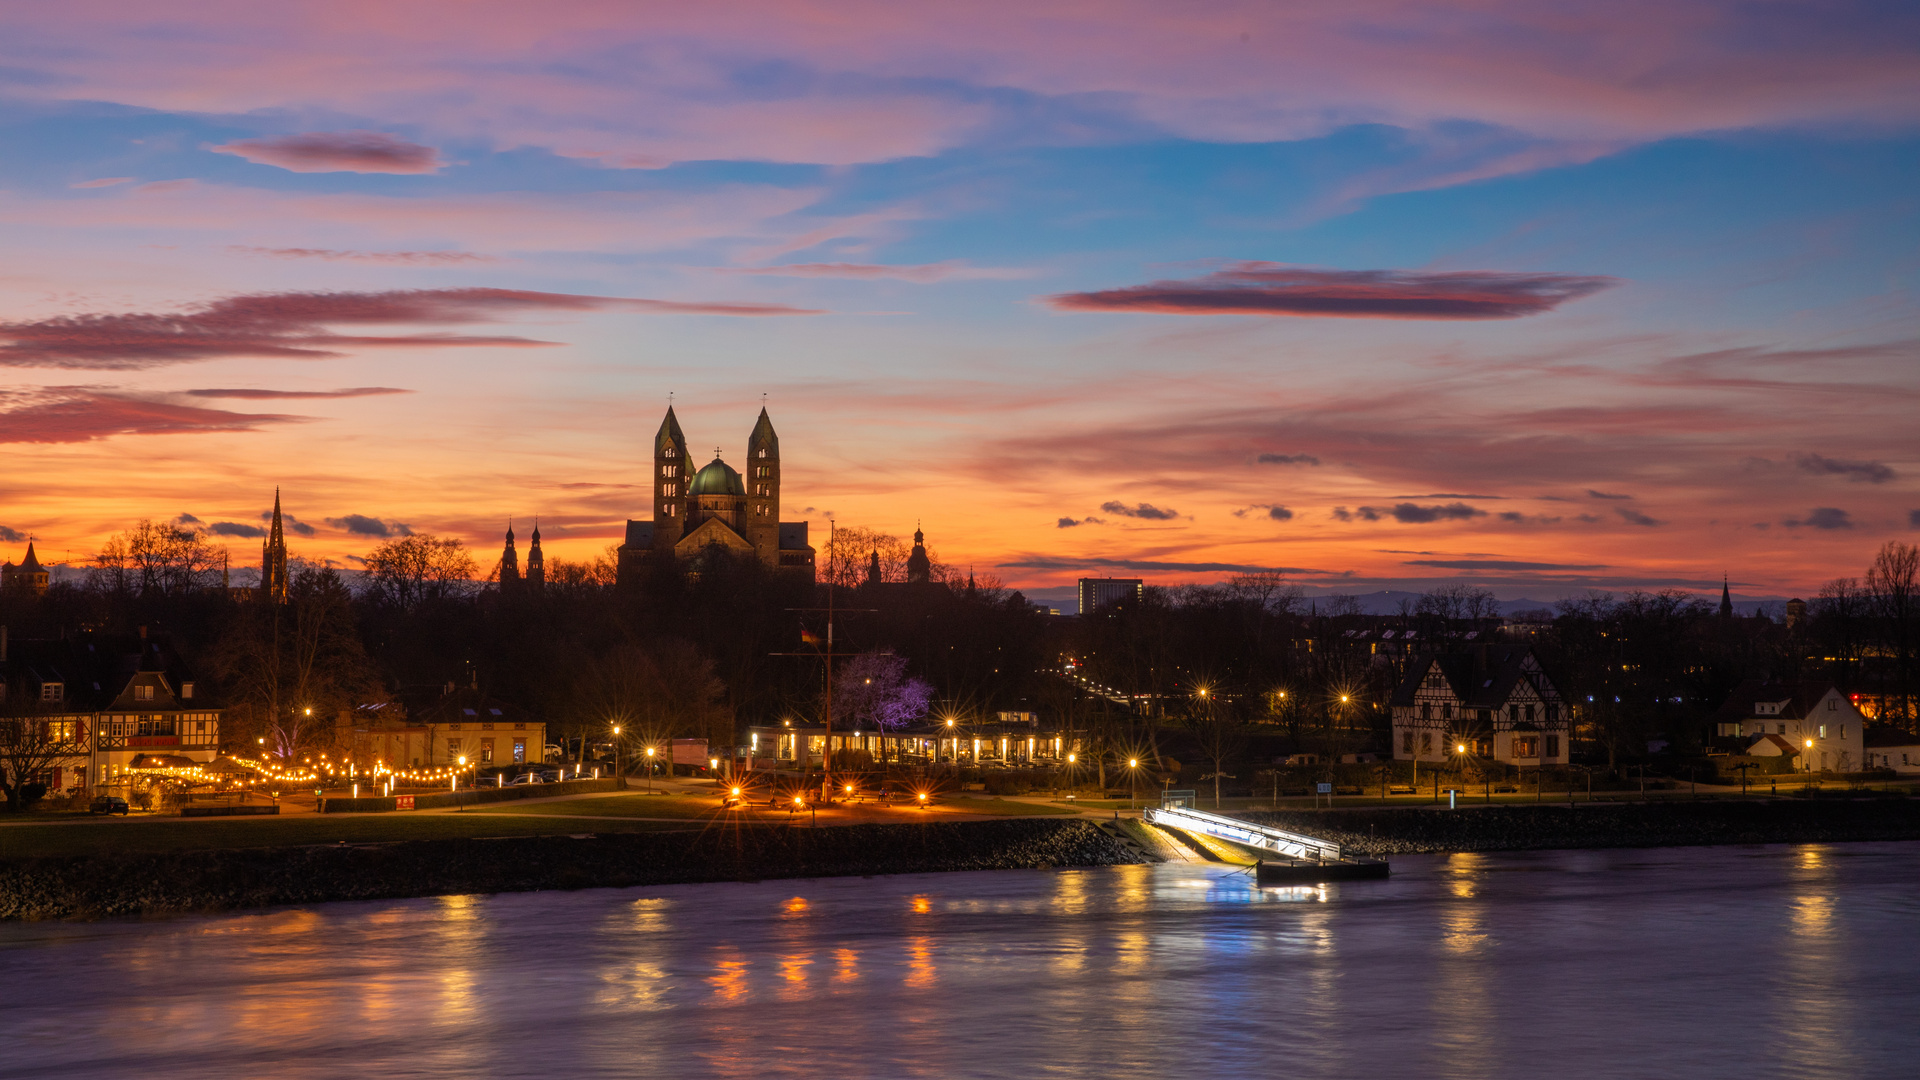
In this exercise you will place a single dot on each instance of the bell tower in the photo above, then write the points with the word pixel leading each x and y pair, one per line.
pixel 763 491
pixel 670 478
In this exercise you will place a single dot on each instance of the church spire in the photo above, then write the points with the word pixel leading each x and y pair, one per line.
pixel 509 563
pixel 919 565
pixel 536 563
pixel 273 558
pixel 1726 599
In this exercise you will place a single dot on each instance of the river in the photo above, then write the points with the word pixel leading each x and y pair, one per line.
pixel 1778 961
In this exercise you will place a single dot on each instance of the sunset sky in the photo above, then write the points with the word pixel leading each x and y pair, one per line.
pixel 1383 294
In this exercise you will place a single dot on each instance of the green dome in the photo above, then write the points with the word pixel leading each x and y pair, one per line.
pixel 718 478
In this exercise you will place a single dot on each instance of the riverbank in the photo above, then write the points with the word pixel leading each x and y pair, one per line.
pixel 212 880
pixel 1400 831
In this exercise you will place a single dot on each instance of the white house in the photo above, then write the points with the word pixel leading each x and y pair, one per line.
pixel 1813 719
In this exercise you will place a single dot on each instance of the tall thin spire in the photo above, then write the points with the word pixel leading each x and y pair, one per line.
pixel 1726 599
pixel 273 559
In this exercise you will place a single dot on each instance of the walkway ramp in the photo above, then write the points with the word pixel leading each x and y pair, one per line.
pixel 1245 833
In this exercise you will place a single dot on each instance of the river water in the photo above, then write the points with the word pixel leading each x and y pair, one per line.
pixel 1752 962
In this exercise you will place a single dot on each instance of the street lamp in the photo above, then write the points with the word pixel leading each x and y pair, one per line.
pixel 1133 785
pixel 649 769
pixel 616 753
pixel 454 781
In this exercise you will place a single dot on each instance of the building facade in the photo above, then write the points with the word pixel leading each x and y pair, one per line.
pixel 717 506
pixel 1097 593
pixel 1492 702
pixel 104 704
pixel 1811 721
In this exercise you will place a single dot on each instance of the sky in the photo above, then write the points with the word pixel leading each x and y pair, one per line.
pixel 1544 297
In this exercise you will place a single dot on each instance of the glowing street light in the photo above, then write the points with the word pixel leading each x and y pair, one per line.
pixel 1133 785
pixel 649 769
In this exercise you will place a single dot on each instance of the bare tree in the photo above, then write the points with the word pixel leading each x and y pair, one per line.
pixel 1893 592
pixel 850 552
pixel 156 559
pixel 33 739
pixel 413 570
pixel 290 668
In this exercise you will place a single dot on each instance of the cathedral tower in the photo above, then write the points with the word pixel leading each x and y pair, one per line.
pixel 919 566
pixel 670 479
pixel 509 565
pixel 536 564
pixel 273 559
pixel 763 491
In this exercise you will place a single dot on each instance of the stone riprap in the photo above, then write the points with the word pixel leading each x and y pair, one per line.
pixel 138 884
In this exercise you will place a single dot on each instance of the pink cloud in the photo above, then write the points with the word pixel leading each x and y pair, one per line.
pixel 105 181
pixel 296 325
pixel 921 273
pixel 71 414
pixel 1262 288
pixel 402 258
pixel 337 151
pixel 273 395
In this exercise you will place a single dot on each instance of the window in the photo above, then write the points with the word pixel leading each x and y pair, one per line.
pixel 1426 710
pixel 1833 704
pixel 1406 742
pixel 1525 746
pixel 1426 742
pixel 1446 710
pixel 1783 729
pixel 1553 746
pixel 453 747
pixel 486 750
pixel 1823 731
pixel 763 451
pixel 1529 714
pixel 519 751
pixel 1552 712
pixel 53 691
pixel 143 693
pixel 667 453
pixel 186 690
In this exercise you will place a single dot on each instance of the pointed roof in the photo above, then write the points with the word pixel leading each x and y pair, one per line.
pixel 670 433
pixel 31 562
pixel 536 532
pixel 763 434
pixel 1726 598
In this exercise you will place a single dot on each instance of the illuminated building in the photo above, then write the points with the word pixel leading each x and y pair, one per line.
pixel 716 507
pixel 1495 700
pixel 1097 593
pixel 1811 722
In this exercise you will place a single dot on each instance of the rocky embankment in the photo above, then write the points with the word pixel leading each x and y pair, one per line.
pixel 135 884
pixel 1391 831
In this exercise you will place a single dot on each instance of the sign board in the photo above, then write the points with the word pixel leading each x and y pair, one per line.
pixel 689 751
pixel 403 802
pixel 1324 789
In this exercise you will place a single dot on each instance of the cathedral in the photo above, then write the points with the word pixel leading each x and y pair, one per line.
pixel 717 506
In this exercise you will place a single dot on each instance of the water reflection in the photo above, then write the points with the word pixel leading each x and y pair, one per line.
pixel 1593 963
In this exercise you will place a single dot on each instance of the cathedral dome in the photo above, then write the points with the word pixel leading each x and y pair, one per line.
pixel 717 478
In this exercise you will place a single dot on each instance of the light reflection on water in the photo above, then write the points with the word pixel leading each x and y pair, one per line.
pixel 1754 962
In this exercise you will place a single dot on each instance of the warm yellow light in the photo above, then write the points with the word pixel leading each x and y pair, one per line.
pixel 949 722
pixel 1133 763
pixel 713 763
pixel 923 796
pixel 1460 748
pixel 463 761
pixel 736 791
pixel 1809 744
pixel 796 800
pixel 616 729
pixel 1343 697
pixel 849 788
pixel 1071 758
pixel 649 751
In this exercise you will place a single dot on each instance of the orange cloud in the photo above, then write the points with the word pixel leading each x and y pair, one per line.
pixel 70 414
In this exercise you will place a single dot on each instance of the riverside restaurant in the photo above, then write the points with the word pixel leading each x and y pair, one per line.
pixel 1016 742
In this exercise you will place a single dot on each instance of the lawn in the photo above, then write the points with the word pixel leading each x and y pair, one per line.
pixel 90 837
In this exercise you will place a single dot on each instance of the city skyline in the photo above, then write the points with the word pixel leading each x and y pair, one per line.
pixel 1543 299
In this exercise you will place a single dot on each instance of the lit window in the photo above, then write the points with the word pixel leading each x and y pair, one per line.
pixel 143 693
pixel 52 691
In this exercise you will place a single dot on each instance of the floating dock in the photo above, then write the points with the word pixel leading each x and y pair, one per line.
pixel 1303 860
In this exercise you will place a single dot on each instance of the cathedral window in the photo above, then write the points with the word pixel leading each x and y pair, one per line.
pixel 763 451
pixel 667 452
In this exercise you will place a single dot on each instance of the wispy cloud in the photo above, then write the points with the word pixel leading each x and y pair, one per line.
pixel 1147 511
pixel 11 536
pixel 274 395
pixel 1287 459
pixel 337 151
pixel 71 414
pixel 299 325
pixel 1273 511
pixel 234 528
pixel 402 258
pixel 920 273
pixel 1635 517
pixel 1592 494
pixel 1822 517
pixel 1262 288
pixel 105 181
pixel 1501 564
pixel 362 525
pixel 1411 513
pixel 1868 472
pixel 1051 562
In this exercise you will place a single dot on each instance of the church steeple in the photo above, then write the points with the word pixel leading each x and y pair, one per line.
pixel 1726 599
pixel 670 479
pixel 763 490
pixel 273 559
pixel 509 564
pixel 919 565
pixel 536 563
pixel 873 569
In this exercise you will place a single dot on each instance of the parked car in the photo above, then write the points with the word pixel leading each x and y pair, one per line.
pixel 524 778
pixel 555 752
pixel 109 804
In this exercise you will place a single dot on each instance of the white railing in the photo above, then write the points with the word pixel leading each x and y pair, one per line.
pixel 1292 845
